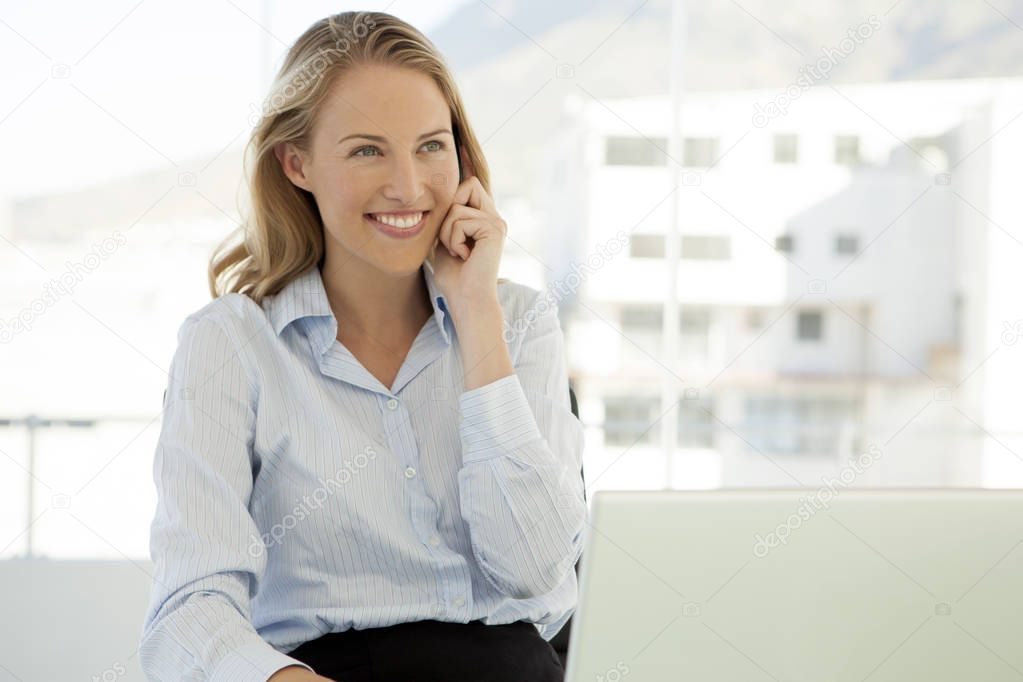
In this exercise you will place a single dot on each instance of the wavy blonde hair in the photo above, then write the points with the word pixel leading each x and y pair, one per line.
pixel 282 235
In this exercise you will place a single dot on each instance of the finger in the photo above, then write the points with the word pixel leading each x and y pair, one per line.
pixel 476 228
pixel 471 193
pixel 458 238
pixel 456 212
pixel 444 234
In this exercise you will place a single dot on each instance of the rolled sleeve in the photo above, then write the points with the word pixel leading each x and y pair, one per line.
pixel 495 417
pixel 520 483
pixel 251 661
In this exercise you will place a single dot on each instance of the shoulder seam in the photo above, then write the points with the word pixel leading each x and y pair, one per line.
pixel 235 347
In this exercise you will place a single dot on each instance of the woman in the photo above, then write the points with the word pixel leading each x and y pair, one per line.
pixel 368 468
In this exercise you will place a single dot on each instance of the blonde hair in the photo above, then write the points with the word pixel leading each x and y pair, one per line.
pixel 283 235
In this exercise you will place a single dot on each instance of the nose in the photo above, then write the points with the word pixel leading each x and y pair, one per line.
pixel 405 186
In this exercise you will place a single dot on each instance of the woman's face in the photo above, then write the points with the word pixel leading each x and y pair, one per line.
pixel 412 167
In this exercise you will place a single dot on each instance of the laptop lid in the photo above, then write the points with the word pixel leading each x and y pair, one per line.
pixel 878 585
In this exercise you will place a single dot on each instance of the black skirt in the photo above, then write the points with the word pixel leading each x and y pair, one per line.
pixel 430 650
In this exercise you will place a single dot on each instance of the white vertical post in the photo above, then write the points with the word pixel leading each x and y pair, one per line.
pixel 670 331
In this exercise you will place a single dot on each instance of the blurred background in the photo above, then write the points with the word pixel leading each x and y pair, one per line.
pixel 780 235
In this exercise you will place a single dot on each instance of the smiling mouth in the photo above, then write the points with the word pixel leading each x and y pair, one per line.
pixel 400 221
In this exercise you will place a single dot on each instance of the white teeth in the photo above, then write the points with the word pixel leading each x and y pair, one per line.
pixel 401 223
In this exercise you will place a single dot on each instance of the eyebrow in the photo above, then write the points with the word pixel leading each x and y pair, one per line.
pixel 378 138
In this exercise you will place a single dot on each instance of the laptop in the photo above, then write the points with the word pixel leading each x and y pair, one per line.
pixel 794 585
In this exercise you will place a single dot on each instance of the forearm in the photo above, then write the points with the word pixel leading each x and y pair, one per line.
pixel 480 328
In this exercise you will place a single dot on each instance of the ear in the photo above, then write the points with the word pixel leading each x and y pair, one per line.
pixel 468 170
pixel 291 163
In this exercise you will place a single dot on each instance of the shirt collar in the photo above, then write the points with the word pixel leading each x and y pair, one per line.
pixel 305 296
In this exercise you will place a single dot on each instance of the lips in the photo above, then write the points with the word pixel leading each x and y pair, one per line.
pixel 398 232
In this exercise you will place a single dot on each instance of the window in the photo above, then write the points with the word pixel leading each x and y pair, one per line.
pixel 629 420
pixel 635 151
pixel 847 244
pixel 847 150
pixel 785 243
pixel 642 317
pixel 693 247
pixel 695 424
pixel 646 246
pixel 706 248
pixel 694 333
pixel 693 321
pixel 700 151
pixel 810 326
pixel 754 319
pixel 797 425
pixel 786 148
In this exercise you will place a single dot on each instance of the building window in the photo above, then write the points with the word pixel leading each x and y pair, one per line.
pixel 799 425
pixel 642 318
pixel 706 248
pixel 847 150
pixel 635 151
pixel 847 244
pixel 786 148
pixel 629 420
pixel 754 319
pixel 646 246
pixel 700 151
pixel 695 424
pixel 634 420
pixel 694 333
pixel 810 326
pixel 694 321
pixel 785 243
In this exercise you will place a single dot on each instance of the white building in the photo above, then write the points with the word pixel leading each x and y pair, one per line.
pixel 848 262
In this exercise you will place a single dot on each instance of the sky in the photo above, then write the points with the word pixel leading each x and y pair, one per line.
pixel 117 87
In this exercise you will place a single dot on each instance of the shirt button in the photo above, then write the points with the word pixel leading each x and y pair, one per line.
pixel 409 472
pixel 435 541
pixel 392 404
pixel 459 601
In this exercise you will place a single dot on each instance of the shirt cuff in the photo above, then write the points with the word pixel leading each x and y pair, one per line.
pixel 496 418
pixel 253 661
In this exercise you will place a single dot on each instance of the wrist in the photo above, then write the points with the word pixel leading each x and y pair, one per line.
pixel 466 307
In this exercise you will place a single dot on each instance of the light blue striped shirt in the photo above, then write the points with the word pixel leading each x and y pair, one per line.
pixel 297 495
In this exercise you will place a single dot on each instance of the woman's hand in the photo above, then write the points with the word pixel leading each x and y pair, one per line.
pixel 467 254
pixel 296 673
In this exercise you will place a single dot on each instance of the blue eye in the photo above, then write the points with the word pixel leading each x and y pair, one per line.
pixel 436 142
pixel 356 152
